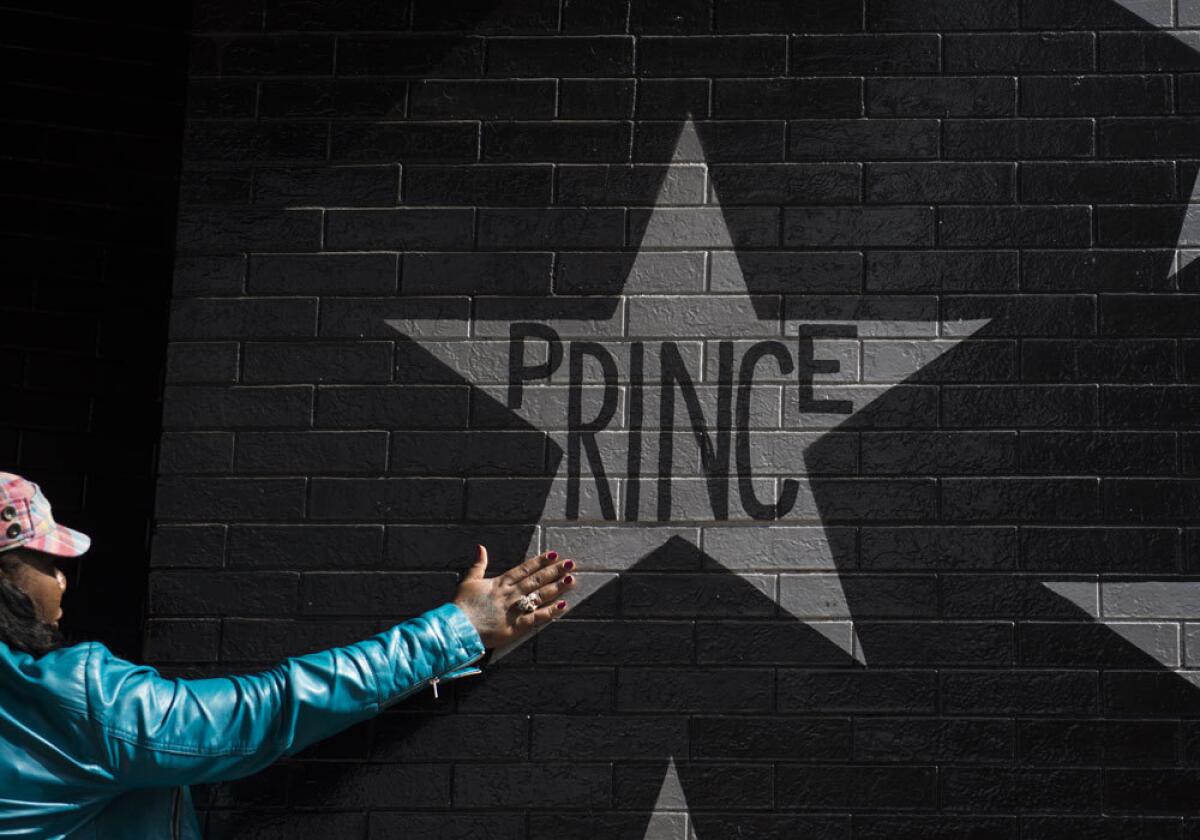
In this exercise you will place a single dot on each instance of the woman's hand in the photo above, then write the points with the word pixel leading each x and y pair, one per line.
pixel 491 603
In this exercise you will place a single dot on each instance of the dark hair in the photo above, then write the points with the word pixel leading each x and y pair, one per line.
pixel 20 627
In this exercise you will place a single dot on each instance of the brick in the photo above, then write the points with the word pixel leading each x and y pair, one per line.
pixel 858 227
pixel 405 229
pixel 607 737
pixel 1023 499
pixel 598 272
pixel 784 642
pixel 1109 645
pixel 1144 226
pixel 950 740
pixel 732 16
pixel 1045 96
pixel 933 643
pixel 786 271
pixel 1020 692
pixel 787 98
pixel 1020 406
pixel 1137 500
pixel 392 499
pixel 240 140
pixel 208 275
pixel 932 271
pixel 938 453
pixel 315 97
pixel 525 691
pixel 204 406
pixel 962 96
pixel 713 141
pixel 530 17
pixel 391 406
pixel 505 453
pixel 372 785
pixel 182 640
pixel 1118 549
pixel 679 595
pixel 711 785
pixel 1051 271
pixel 993 227
pixel 1150 406
pixel 202 362
pixel 575 786
pixel 184 452
pixel 466 185
pixel 560 141
pixel 440 547
pixel 673 98
pixel 1134 51
pixel 784 183
pixel 1098 360
pixel 244 318
pixel 942 827
pixel 693 227
pixel 870 596
pixel 1121 453
pixel 412 317
pixel 1144 137
pixel 836 691
pixel 231 229
pixel 596 98
pixel 230 499
pixel 750 55
pixel 1041 52
pixel 584 184
pixel 484 99
pixel 1097 182
pixel 730 738
pixel 398 55
pixel 1145 693
pixel 571 229
pixel 586 642
pixel 193 592
pixel 1004 789
pixel 854 787
pixel 1010 139
pixel 321 274
pixel 181 546
pixel 305 546
pixel 280 362
pixel 311 452
pixel 680 690
pixel 863 54
pixel 811 139
pixel 383 824
pixel 571 56
pixel 1112 742
pixel 940 183
pixel 1079 14
pixel 382 594
pixel 680 315
pixel 364 186
pixel 404 142
pixel 957 548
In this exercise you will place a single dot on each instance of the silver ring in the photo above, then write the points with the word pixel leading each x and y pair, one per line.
pixel 528 603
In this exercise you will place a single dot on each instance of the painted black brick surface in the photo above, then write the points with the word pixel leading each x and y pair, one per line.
pixel 973 618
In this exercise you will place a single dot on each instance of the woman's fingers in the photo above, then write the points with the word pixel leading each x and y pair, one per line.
pixel 549 592
pixel 479 567
pixel 541 615
pixel 533 564
pixel 544 577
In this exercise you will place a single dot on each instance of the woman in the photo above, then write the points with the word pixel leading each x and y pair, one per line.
pixel 92 746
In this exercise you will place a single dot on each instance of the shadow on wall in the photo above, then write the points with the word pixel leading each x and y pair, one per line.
pixel 992 702
pixel 92 125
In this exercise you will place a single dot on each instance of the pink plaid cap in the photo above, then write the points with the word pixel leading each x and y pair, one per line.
pixel 25 521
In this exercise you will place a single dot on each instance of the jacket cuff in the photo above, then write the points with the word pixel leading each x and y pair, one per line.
pixel 439 644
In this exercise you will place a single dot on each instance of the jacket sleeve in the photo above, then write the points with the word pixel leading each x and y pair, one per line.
pixel 155 731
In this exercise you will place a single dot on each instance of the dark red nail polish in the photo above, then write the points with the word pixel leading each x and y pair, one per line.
pixel 562 605
pixel 569 579
pixel 569 564
pixel 553 555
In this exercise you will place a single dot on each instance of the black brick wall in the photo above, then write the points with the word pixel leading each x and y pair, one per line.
pixel 1003 530
pixel 89 161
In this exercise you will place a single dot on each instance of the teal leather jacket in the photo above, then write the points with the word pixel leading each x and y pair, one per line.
pixel 93 746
